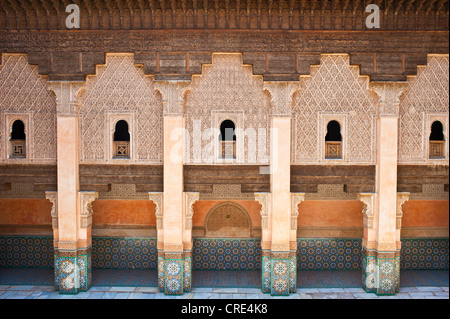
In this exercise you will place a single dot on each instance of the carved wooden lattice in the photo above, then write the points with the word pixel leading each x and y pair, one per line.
pixel 24 91
pixel 427 92
pixel 229 86
pixel 437 149
pixel 120 86
pixel 333 150
pixel 334 86
pixel 18 148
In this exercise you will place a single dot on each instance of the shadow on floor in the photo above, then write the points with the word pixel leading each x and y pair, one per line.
pixel 222 279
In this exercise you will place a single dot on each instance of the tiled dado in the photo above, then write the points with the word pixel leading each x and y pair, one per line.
pixel 329 254
pixel 226 254
pixel 424 254
pixel 124 253
pixel 26 252
pixel 381 272
pixel 73 271
pixel 223 254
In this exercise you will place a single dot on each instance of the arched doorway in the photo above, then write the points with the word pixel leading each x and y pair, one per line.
pixel 228 253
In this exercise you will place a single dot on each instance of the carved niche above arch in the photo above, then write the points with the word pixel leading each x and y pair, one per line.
pixel 228 220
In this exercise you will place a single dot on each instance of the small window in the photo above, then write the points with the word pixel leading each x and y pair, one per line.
pixel 227 139
pixel 437 140
pixel 333 141
pixel 121 140
pixel 18 140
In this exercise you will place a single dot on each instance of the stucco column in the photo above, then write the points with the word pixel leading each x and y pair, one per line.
pixel 189 199
pixel 283 245
pixel 72 246
pixel 383 254
pixel 85 238
pixel 296 200
pixel 171 250
pixel 265 199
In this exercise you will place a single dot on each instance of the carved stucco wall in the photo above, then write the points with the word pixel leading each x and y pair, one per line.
pixel 120 89
pixel 334 89
pixel 425 99
pixel 228 220
pixel 24 95
pixel 227 89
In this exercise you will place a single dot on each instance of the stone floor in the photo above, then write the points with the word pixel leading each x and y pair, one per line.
pixel 97 292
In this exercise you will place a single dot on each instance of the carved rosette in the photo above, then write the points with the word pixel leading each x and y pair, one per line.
pixel 401 199
pixel 265 200
pixel 157 198
pixel 368 201
pixel 296 199
pixel 53 198
pixel 389 96
pixel 172 93
pixel 66 97
pixel 190 199
pixel 86 199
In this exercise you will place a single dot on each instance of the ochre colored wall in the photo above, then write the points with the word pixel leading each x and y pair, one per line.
pixel 123 212
pixel 25 212
pixel 425 213
pixel 201 209
pixel 343 213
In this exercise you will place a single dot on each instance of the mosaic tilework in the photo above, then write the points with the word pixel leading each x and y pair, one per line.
pixel 187 274
pixel 280 277
pixel 84 271
pixel 329 254
pixel 388 276
pixel 292 273
pixel 161 276
pixel 369 273
pixel 266 274
pixel 66 274
pixel 73 273
pixel 30 252
pixel 424 254
pixel 226 254
pixel 124 253
pixel 174 276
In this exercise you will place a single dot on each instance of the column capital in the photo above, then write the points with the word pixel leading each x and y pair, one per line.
pixel 401 199
pixel 157 198
pixel 172 93
pixel 66 96
pixel 281 94
pixel 368 199
pixel 296 199
pixel 388 96
pixel 190 199
pixel 86 199
pixel 53 198
pixel 265 200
